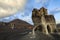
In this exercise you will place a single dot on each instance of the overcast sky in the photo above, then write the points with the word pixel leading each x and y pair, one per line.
pixel 25 13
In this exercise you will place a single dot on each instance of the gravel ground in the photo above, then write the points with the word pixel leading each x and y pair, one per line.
pixel 24 36
pixel 56 36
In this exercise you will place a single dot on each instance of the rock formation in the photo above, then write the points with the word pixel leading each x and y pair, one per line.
pixel 44 22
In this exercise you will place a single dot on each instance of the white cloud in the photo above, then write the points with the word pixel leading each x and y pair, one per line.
pixel 27 19
pixel 41 1
pixel 22 13
pixel 10 7
pixel 37 1
pixel 55 10
pixel 56 13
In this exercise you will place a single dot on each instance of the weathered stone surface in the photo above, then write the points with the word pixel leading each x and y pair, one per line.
pixel 41 18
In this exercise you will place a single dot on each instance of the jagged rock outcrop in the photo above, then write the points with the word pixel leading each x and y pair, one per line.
pixel 46 23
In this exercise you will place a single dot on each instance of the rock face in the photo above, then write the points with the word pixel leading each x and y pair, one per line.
pixel 44 22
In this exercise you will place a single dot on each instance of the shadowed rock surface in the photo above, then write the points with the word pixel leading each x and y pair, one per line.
pixel 56 36
pixel 24 36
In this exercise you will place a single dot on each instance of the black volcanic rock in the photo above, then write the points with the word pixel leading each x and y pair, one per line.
pixel 56 36
pixel 38 36
pixel 22 36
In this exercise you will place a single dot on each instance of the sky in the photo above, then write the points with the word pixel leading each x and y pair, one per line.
pixel 53 7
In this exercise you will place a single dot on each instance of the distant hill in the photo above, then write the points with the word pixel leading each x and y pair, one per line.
pixel 20 23
pixel 15 25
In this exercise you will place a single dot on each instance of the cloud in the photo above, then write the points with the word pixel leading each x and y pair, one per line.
pixel 28 19
pixel 41 1
pixel 10 7
pixel 37 1
pixel 44 3
pixel 55 11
